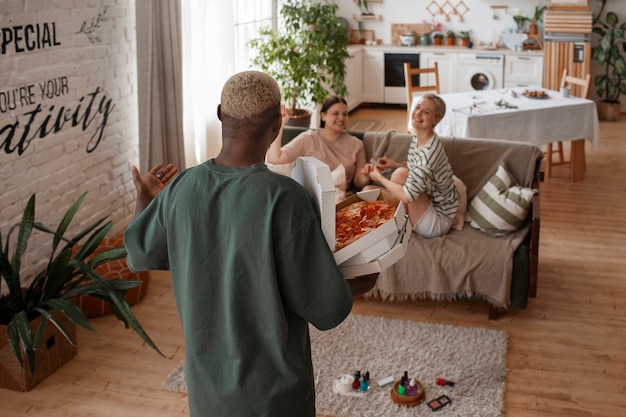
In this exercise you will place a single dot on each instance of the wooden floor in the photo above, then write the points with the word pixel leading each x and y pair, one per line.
pixel 567 350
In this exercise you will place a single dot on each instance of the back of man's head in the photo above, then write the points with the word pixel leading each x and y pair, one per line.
pixel 250 96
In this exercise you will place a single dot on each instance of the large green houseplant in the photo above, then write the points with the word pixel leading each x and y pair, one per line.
pixel 608 52
pixel 69 272
pixel 306 55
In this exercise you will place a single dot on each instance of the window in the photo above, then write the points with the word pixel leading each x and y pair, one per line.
pixel 249 16
pixel 215 46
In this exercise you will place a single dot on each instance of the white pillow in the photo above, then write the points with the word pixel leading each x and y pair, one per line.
pixel 501 206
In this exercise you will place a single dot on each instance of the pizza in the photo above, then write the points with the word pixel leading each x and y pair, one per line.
pixel 360 218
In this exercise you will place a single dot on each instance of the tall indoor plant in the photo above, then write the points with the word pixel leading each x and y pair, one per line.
pixel 69 272
pixel 306 55
pixel 608 52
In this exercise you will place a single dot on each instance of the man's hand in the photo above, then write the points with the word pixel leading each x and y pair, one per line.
pixel 361 285
pixel 152 183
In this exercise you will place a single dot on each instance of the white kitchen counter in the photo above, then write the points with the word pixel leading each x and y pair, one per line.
pixel 433 48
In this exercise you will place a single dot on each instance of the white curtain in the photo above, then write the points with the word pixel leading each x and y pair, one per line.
pixel 208 61
pixel 159 83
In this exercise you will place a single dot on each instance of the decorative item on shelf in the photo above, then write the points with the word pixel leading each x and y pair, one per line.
pixel 364 7
pixel 537 18
pixel 450 38
pixel 438 38
pixel 29 352
pixel 366 13
pixel 306 56
pixel 495 9
pixel 534 40
pixel 521 19
pixel 608 52
pixel 361 37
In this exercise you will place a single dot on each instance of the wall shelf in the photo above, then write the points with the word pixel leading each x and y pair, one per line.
pixel 367 17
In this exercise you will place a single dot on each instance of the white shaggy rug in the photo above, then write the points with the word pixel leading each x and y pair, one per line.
pixel 474 359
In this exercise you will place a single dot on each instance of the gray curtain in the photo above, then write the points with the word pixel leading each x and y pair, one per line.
pixel 159 81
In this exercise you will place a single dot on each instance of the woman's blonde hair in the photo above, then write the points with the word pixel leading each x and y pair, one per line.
pixel 440 105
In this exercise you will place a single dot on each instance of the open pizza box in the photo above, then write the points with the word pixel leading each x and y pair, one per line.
pixel 373 252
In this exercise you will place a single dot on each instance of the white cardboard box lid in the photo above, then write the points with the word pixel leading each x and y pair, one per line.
pixel 315 176
pixel 373 252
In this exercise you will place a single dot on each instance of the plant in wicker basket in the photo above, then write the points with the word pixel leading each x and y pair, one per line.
pixel 68 273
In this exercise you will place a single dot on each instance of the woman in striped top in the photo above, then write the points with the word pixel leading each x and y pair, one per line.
pixel 425 184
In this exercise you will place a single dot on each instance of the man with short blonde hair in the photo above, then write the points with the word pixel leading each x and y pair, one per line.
pixel 249 263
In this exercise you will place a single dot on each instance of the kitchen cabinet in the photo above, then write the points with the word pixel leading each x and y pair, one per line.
pixel 523 71
pixel 366 76
pixel 447 63
pixel 354 79
pixel 373 76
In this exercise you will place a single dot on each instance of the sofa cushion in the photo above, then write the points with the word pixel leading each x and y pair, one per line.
pixel 501 206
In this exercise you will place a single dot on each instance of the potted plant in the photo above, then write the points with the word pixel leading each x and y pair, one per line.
pixel 537 18
pixel 450 37
pixel 465 37
pixel 520 20
pixel 608 52
pixel 364 7
pixel 306 56
pixel 438 38
pixel 26 312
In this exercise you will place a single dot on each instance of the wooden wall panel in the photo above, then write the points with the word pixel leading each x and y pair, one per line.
pixel 568 22
pixel 559 56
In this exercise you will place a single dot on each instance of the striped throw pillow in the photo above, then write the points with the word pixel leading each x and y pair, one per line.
pixel 501 206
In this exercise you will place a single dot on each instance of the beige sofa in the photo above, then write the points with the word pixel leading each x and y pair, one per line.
pixel 466 264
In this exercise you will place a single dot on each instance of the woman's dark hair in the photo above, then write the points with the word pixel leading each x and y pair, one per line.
pixel 328 103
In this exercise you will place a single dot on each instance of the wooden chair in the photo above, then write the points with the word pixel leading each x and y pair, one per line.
pixel 433 87
pixel 579 88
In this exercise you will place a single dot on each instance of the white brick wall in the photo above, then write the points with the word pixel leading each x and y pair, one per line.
pixel 58 168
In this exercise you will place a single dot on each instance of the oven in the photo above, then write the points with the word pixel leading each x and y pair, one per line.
pixel 395 91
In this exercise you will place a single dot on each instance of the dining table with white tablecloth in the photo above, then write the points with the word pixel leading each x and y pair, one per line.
pixel 511 114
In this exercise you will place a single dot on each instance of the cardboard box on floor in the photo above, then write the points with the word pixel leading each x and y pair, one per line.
pixel 375 251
